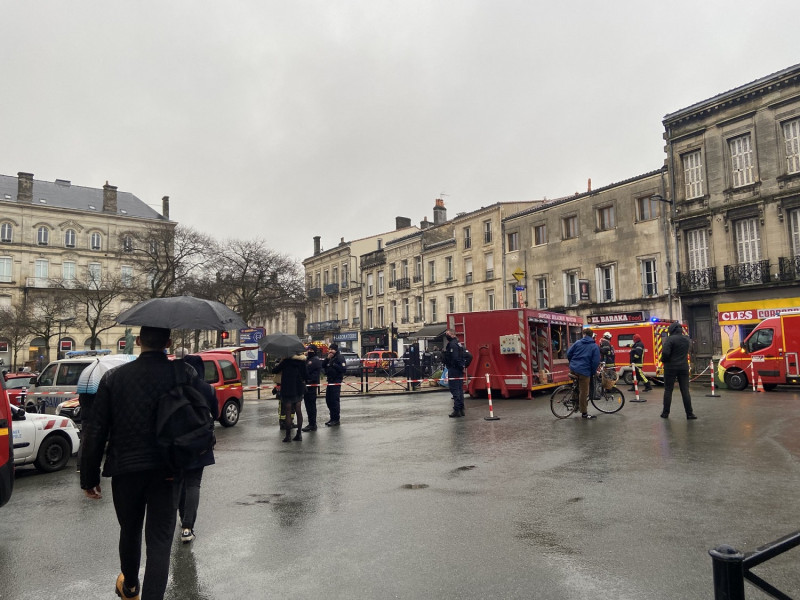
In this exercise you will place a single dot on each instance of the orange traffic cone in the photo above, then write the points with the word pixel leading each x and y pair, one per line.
pixel 760 387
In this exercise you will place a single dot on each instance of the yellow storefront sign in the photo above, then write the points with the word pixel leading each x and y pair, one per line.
pixel 737 319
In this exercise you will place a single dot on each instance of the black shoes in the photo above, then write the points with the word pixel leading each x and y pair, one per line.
pixel 665 415
pixel 310 428
pixel 332 424
pixel 456 413
pixel 588 416
pixel 691 417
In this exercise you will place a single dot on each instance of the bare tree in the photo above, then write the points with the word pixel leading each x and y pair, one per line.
pixel 46 311
pixel 14 327
pixel 169 256
pixel 94 296
pixel 253 280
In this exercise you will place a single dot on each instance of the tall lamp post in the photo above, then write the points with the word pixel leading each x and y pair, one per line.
pixel 661 198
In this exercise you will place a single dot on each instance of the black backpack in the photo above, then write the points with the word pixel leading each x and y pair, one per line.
pixel 184 425
pixel 467 358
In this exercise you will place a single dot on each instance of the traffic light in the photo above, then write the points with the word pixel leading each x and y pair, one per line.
pixel 224 335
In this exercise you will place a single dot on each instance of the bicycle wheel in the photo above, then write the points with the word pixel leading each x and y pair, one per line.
pixel 609 401
pixel 562 402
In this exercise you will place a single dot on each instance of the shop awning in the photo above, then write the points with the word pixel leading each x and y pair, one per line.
pixel 431 331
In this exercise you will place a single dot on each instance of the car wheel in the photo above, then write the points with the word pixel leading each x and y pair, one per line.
pixel 230 413
pixel 736 380
pixel 628 377
pixel 53 454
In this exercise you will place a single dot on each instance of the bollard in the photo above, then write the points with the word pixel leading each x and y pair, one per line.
pixel 728 568
pixel 635 385
pixel 753 375
pixel 491 416
pixel 712 394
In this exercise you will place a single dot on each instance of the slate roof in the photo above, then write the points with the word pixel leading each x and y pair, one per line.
pixel 62 194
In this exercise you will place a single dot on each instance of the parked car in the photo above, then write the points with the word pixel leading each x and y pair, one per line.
pixel 383 362
pixel 46 441
pixel 352 362
pixel 223 374
pixel 6 449
pixel 16 386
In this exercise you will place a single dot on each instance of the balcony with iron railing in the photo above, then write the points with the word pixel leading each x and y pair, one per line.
pixel 324 326
pixel 789 268
pixel 697 280
pixel 331 288
pixel 417 278
pixel 745 274
pixel 468 278
pixel 418 319
pixel 405 320
pixel 314 293
pixel 403 283
pixel 392 283
pixel 356 321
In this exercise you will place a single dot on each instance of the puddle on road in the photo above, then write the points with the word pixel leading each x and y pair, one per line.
pixel 415 486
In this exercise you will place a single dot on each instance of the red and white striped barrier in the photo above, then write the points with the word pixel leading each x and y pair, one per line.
pixel 491 416
pixel 713 393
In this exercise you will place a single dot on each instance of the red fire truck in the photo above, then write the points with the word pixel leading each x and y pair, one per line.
pixel 773 348
pixel 521 349
pixel 652 332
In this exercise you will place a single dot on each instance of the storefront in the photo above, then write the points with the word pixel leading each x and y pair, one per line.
pixel 347 339
pixel 376 339
pixel 737 319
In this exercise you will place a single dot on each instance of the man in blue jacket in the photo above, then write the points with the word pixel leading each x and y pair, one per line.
pixel 584 358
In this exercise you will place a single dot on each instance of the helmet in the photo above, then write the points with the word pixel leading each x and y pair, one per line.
pixel 607 335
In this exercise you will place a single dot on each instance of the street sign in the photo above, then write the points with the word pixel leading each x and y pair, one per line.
pixel 251 359
pixel 519 274
pixel 520 288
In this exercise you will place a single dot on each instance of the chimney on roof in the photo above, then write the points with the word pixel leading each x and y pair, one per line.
pixel 317 245
pixel 25 187
pixel 380 244
pixel 439 212
pixel 110 198
pixel 165 207
pixel 589 185
pixel 402 222
pixel 424 224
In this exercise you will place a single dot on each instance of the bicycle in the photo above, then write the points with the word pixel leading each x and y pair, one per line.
pixel 564 399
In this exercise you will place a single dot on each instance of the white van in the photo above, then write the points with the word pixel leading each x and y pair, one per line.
pixel 59 381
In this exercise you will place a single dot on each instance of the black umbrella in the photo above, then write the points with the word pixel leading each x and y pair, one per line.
pixel 182 312
pixel 281 344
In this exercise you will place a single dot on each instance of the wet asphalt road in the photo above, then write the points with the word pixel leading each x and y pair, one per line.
pixel 403 502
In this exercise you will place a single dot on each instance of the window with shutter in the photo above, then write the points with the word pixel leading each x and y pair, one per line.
pixel 794 229
pixel 697 249
pixel 741 160
pixel 748 244
pixel 693 174
pixel 791 134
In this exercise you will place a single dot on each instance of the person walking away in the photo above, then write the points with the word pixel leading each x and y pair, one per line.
pixel 293 387
pixel 675 358
pixel 192 477
pixel 314 368
pixel 335 369
pixel 584 358
pixel 427 363
pixel 637 360
pixel 454 361
pixel 124 418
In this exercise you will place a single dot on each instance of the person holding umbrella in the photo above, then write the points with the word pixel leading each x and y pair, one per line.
pixel 293 387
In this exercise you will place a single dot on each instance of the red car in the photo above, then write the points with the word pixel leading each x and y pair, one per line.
pixel 6 449
pixel 16 386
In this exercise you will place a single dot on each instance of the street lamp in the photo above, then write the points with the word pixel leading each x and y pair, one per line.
pixel 667 260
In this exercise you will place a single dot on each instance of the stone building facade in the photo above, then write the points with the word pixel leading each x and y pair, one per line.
pixel 734 164
pixel 603 252
pixel 56 236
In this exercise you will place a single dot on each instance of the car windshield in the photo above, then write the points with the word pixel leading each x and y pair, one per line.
pixel 17 383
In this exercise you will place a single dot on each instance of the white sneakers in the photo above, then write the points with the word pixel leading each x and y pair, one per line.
pixel 187 535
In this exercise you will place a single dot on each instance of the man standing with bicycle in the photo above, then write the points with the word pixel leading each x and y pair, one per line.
pixel 584 358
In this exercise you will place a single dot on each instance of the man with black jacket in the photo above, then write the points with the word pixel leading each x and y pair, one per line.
pixel 335 369
pixel 637 360
pixel 675 358
pixel 454 361
pixel 314 368
pixel 124 416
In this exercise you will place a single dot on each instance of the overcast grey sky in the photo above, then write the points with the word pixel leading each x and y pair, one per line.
pixel 290 119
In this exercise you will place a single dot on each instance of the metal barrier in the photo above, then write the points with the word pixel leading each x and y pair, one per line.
pixel 732 567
